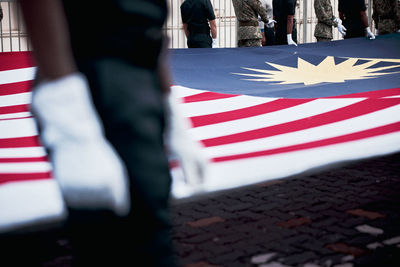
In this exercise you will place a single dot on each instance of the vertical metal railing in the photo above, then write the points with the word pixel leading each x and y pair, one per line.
pixel 13 35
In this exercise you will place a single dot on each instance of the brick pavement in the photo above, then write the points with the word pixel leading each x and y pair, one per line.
pixel 346 216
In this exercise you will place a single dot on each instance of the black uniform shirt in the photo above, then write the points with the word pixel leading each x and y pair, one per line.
pixel 283 8
pixel 197 13
pixel 351 9
pixel 122 28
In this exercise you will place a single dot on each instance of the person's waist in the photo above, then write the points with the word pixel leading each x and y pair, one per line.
pixel 248 23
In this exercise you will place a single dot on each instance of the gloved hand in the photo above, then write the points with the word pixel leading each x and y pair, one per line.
pixel 341 29
pixel 215 43
pixel 369 33
pixel 187 150
pixel 89 172
pixel 290 40
pixel 338 21
pixel 271 23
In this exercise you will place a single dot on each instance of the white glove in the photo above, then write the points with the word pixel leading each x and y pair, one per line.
pixel 290 40
pixel 341 29
pixel 369 33
pixel 215 43
pixel 88 170
pixel 271 23
pixel 338 21
pixel 183 146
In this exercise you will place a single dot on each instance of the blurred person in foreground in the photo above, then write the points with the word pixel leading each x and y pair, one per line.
pixel 99 100
pixel 326 19
pixel 198 22
pixel 354 18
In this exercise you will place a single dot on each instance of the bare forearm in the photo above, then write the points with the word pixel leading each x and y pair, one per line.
pixel 289 27
pixel 185 29
pixel 364 18
pixel 47 27
pixel 213 26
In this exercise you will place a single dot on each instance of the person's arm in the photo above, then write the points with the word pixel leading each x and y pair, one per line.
pixel 48 31
pixel 185 29
pixel 364 20
pixel 289 27
pixel 213 26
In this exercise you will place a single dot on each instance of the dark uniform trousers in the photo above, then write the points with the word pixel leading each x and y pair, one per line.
pixel 128 98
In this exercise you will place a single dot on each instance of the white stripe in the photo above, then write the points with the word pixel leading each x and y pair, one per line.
pixel 180 91
pixel 18 128
pixel 25 167
pixel 365 122
pixel 15 99
pixel 261 169
pixel 17 75
pixel 302 111
pixel 22 152
pixel 30 202
pixel 222 105
pixel 15 115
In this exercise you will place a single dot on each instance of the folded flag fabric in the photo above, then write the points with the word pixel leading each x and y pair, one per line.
pixel 274 112
pixel 29 194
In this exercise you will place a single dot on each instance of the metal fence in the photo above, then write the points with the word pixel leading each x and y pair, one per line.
pixel 13 35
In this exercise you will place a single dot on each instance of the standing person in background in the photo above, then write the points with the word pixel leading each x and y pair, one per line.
pixel 326 19
pixel 354 18
pixel 267 29
pixel 247 12
pixel 285 28
pixel 116 53
pixel 386 16
pixel 198 20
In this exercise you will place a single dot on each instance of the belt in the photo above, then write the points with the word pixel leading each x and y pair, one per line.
pixel 248 23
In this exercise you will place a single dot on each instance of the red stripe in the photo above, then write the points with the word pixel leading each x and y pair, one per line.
pixel 15 88
pixel 16 60
pixel 205 96
pixel 14 109
pixel 15 177
pixel 21 160
pixel 372 94
pixel 386 129
pixel 29 141
pixel 260 109
pixel 351 111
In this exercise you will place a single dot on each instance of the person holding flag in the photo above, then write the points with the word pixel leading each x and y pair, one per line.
pixel 326 19
pixel 285 28
pixel 354 18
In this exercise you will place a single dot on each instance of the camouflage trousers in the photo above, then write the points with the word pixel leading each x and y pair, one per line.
pixel 249 42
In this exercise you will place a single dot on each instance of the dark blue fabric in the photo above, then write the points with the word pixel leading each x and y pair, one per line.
pixel 212 69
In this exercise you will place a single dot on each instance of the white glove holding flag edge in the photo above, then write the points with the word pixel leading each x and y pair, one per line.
pixel 215 43
pixel 290 40
pixel 182 146
pixel 370 35
pixel 88 170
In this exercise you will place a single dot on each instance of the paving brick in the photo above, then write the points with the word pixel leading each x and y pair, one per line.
pixel 346 249
pixel 368 214
pixel 205 221
pixel 295 222
pixel 300 258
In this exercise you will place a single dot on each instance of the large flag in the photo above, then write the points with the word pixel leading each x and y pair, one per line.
pixel 257 114
pixel 274 112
